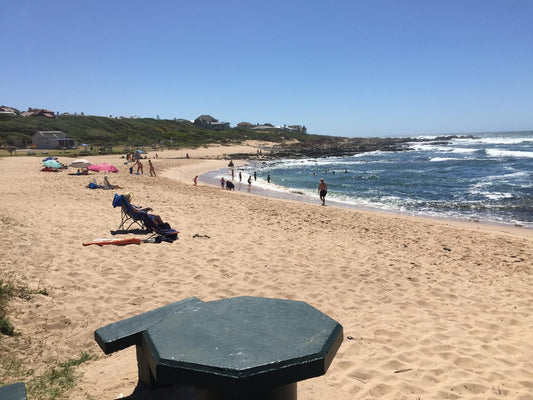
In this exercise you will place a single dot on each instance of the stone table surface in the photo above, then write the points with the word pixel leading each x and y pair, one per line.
pixel 245 341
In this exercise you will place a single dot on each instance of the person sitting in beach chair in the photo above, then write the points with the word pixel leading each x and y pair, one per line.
pixel 130 213
pixel 160 232
pixel 133 213
pixel 137 209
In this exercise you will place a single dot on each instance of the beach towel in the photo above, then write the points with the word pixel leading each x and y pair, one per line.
pixel 119 242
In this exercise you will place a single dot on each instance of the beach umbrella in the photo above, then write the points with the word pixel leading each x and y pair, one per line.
pixel 80 163
pixel 102 167
pixel 49 158
pixel 140 151
pixel 52 164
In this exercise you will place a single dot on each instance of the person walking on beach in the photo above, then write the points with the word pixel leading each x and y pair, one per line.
pixel 322 191
pixel 152 170
pixel 195 180
pixel 140 166
pixel 222 182
pixel 240 176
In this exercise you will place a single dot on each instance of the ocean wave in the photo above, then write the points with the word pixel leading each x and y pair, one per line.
pixel 462 150
pixel 519 174
pixel 494 140
pixel 509 153
pixel 440 159
pixel 491 195
pixel 309 162
pixel 429 147
pixel 443 149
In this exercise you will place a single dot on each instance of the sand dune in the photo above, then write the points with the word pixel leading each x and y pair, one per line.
pixel 431 309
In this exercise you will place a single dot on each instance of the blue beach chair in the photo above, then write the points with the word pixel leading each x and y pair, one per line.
pixel 159 234
pixel 128 216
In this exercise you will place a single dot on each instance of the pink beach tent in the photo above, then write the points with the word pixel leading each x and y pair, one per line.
pixel 102 167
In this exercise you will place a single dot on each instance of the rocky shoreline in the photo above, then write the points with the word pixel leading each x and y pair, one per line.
pixel 340 147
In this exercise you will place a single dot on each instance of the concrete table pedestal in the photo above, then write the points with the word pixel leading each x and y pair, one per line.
pixel 285 392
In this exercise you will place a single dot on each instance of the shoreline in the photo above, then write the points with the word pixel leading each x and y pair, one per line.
pixel 206 168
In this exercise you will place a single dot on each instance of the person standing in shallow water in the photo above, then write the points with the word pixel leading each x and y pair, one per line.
pixel 322 191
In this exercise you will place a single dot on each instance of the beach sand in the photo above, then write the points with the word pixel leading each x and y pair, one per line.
pixel 431 309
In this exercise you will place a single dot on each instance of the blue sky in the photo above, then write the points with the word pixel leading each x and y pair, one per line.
pixel 346 68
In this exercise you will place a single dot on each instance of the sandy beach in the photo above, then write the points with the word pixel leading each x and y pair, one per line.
pixel 431 309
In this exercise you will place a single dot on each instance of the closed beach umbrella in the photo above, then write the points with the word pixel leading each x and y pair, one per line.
pixel 102 167
pixel 52 164
pixel 80 163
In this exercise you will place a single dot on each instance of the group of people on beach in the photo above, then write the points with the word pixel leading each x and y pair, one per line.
pixel 228 185
pixel 140 169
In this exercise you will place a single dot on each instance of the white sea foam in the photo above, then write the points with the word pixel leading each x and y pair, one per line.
pixel 440 159
pixel 429 147
pixel 507 176
pixel 494 140
pixel 508 153
pixel 462 150
pixel 497 196
pixel 491 195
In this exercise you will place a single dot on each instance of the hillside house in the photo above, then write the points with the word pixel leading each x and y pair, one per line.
pixel 208 122
pixel 9 111
pixel 297 128
pixel 38 112
pixel 53 140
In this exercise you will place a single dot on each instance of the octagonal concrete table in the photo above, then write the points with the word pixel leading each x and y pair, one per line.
pixel 242 348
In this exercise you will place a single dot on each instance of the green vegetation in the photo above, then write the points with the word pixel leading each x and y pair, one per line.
pixel 7 291
pixel 57 379
pixel 50 385
pixel 100 131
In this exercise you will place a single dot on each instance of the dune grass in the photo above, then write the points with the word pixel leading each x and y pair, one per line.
pixel 56 379
pixel 7 291
pixel 52 384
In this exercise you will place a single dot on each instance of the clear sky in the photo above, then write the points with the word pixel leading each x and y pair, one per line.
pixel 339 67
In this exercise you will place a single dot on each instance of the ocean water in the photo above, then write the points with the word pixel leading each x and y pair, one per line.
pixel 488 178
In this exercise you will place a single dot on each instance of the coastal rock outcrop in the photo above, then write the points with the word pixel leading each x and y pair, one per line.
pixel 338 147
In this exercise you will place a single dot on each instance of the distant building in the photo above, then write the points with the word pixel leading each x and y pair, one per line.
pixel 204 121
pixel 53 140
pixel 9 111
pixel 38 112
pixel 246 125
pixel 297 128
pixel 220 126
pixel 208 122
